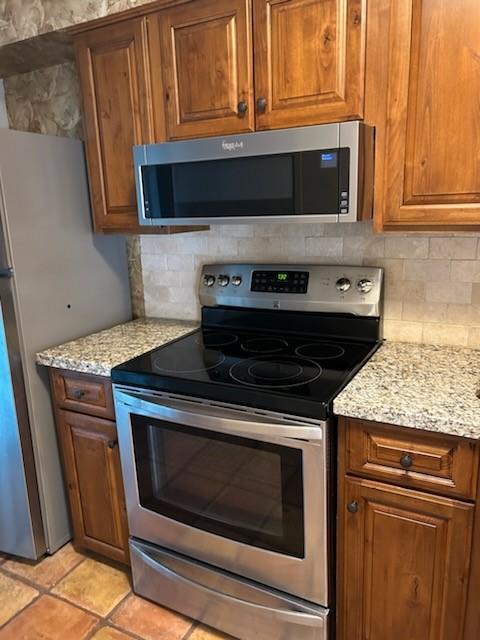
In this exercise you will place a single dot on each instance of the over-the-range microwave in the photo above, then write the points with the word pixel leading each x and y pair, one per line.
pixel 322 173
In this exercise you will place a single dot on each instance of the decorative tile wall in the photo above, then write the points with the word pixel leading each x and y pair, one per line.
pixel 3 108
pixel 22 19
pixel 45 101
pixel 432 288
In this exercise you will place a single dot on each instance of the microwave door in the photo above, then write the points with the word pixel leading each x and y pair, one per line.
pixel 268 188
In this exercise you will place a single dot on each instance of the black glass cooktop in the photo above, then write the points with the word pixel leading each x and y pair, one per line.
pixel 294 374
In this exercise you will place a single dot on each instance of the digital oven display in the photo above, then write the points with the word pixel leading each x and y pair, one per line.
pixel 280 281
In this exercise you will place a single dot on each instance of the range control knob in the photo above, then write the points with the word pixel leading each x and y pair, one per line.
pixel 343 284
pixel 223 280
pixel 236 281
pixel 364 285
pixel 208 281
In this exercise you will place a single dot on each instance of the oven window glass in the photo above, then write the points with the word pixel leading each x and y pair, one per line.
pixel 242 489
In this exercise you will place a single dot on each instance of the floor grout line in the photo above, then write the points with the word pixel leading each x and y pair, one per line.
pixel 101 621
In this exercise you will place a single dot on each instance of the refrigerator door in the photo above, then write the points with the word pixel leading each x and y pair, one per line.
pixel 21 530
pixel 67 283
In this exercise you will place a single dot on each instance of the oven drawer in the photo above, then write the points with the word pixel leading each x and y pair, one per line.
pixel 244 609
pixel 83 393
pixel 417 459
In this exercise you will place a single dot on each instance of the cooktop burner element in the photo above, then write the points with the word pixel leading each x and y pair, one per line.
pixel 279 372
pixel 278 351
pixel 320 351
pixel 217 339
pixel 264 344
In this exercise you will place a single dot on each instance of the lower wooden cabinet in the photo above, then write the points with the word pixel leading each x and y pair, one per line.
pixel 406 563
pixel 92 471
pixel 407 566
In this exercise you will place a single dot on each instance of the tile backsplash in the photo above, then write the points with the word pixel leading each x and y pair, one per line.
pixel 432 282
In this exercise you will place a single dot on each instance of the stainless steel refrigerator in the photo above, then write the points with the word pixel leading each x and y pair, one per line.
pixel 57 282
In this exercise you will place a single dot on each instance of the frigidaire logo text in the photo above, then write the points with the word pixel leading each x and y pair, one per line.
pixel 232 146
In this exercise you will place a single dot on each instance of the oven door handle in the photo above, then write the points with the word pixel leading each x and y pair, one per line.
pixel 217 418
pixel 282 615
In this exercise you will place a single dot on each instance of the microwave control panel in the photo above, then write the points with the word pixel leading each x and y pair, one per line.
pixel 280 281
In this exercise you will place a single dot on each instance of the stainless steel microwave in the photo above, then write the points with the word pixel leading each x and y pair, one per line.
pixel 321 173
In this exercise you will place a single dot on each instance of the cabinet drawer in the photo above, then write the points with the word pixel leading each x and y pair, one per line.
pixel 415 459
pixel 83 393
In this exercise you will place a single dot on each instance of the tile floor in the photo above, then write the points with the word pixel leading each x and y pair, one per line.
pixel 72 596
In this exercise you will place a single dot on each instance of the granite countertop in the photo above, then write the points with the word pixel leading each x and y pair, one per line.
pixel 99 352
pixel 421 386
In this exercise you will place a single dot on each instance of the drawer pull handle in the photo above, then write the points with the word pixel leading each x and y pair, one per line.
pixel 352 506
pixel 79 394
pixel 406 461
pixel 111 444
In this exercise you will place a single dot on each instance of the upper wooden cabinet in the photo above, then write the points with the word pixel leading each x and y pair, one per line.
pixel 307 56
pixel 309 61
pixel 428 152
pixel 204 50
pixel 114 79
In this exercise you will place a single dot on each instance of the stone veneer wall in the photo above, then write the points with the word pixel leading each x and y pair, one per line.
pixel 3 108
pixel 45 101
pixel 22 19
pixel 432 290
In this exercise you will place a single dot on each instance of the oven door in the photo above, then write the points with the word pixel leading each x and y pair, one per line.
pixel 240 490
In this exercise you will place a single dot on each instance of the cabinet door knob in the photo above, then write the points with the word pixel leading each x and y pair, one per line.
pixel 112 444
pixel 242 108
pixel 79 394
pixel 352 506
pixel 261 104
pixel 406 461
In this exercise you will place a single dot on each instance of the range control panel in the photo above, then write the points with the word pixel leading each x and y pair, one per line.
pixel 319 288
pixel 280 281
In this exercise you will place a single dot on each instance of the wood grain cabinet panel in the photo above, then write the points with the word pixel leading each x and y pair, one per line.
pixel 114 77
pixel 415 459
pixel 406 559
pixel 92 469
pixel 84 393
pixel 309 61
pixel 428 156
pixel 207 67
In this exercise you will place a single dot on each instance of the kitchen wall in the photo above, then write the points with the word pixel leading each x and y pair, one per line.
pixel 45 101
pixel 432 281
pixel 3 108
pixel 21 19
pixel 432 291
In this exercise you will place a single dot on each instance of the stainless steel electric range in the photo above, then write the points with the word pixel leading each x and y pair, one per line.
pixel 227 447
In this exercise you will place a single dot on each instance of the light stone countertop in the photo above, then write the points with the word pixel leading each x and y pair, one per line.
pixel 421 386
pixel 99 352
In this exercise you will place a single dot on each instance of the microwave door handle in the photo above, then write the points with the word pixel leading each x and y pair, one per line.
pixel 217 418
pixel 281 615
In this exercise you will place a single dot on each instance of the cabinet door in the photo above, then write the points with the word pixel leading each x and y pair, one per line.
pixel 309 61
pixel 113 76
pixel 207 67
pixel 92 469
pixel 428 155
pixel 405 558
